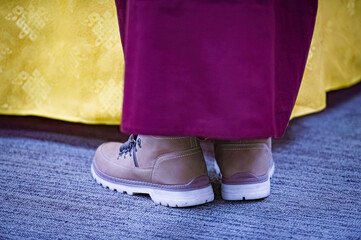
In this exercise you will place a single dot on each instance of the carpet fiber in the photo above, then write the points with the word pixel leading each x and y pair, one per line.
pixel 47 192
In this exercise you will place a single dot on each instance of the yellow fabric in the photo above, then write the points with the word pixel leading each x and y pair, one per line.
pixel 63 58
pixel 334 59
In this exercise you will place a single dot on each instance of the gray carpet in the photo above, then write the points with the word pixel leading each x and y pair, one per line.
pixel 47 192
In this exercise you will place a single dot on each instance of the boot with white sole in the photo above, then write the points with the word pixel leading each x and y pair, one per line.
pixel 246 167
pixel 171 170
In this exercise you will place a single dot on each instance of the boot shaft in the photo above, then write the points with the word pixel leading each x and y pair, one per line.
pixel 155 146
pixel 244 156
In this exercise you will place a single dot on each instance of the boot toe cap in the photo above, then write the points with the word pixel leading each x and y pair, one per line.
pixel 106 156
pixel 109 151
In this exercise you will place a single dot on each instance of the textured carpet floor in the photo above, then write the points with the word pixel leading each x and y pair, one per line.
pixel 47 192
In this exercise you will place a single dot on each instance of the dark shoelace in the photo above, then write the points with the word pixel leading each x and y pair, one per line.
pixel 130 147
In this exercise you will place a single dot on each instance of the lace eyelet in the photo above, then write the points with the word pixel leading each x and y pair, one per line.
pixel 130 146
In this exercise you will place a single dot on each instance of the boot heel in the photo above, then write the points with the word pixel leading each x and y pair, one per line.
pixel 246 191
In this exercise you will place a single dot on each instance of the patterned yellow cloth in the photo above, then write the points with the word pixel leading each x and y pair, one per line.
pixel 334 60
pixel 63 59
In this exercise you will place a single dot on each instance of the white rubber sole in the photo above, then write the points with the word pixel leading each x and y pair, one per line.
pixel 160 196
pixel 248 191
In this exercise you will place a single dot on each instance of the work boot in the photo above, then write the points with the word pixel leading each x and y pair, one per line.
pixel 246 167
pixel 171 170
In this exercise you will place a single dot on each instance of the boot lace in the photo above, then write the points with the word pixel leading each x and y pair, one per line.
pixel 130 147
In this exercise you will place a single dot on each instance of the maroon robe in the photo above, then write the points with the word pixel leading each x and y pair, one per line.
pixel 227 69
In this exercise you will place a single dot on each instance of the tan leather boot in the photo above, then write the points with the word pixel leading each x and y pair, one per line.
pixel 246 168
pixel 171 170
